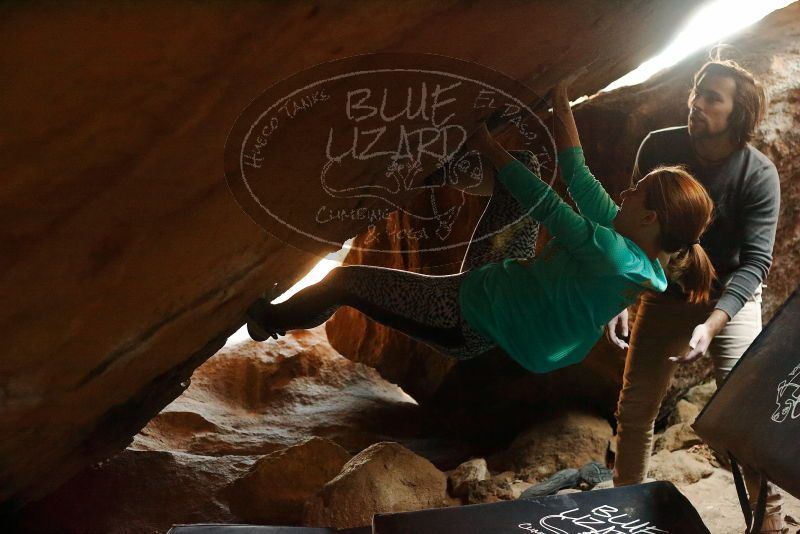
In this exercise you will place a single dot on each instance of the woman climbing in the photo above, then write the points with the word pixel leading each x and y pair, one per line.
pixel 546 312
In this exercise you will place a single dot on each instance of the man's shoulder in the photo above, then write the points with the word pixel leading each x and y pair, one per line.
pixel 760 160
pixel 666 136
pixel 667 146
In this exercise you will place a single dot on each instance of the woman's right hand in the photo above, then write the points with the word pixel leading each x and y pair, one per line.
pixel 611 329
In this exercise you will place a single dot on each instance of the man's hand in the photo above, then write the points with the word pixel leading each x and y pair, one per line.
pixel 702 335
pixel 698 345
pixel 611 329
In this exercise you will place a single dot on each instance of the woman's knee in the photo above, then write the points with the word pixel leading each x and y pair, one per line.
pixel 637 412
pixel 336 274
pixel 354 285
pixel 339 283
pixel 348 276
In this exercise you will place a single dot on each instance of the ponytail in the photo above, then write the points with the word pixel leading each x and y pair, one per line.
pixel 693 270
pixel 684 211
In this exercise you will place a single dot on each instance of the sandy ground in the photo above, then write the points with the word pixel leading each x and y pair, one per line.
pixel 716 501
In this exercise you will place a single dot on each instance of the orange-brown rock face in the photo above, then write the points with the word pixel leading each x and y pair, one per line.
pixel 247 401
pixel 255 398
pixel 126 260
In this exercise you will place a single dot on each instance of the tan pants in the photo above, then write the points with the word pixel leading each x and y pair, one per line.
pixel 662 329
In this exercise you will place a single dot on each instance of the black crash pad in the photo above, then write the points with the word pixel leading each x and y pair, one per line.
pixel 257 529
pixel 755 414
pixel 656 507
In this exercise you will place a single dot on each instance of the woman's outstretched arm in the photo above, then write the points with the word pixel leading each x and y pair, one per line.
pixel 565 130
pixel 589 194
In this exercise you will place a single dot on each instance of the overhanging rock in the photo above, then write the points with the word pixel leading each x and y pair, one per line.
pixel 127 259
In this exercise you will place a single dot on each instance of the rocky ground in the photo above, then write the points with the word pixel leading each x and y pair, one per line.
pixel 286 432
pixel 715 499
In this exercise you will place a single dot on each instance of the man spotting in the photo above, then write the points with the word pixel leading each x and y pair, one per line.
pixel 725 105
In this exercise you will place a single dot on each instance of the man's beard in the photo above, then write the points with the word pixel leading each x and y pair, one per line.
pixel 702 133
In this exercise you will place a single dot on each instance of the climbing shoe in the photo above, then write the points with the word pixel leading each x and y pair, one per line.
pixel 257 318
pixel 566 478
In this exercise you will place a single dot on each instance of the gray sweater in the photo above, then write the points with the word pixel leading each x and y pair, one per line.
pixel 746 192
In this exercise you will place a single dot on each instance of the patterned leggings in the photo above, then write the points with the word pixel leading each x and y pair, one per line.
pixel 423 307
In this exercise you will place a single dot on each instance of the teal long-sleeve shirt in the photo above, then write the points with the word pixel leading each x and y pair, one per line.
pixel 549 312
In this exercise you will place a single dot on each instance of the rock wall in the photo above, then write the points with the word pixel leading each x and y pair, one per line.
pixel 126 260
pixel 246 403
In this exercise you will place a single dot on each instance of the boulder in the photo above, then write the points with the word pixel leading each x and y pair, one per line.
pixel 700 394
pixel 608 484
pixel 679 467
pixel 385 477
pixel 500 487
pixel 518 487
pixel 685 412
pixel 274 490
pixel 676 437
pixel 136 492
pixel 161 261
pixel 508 476
pixel 712 457
pixel 488 491
pixel 568 440
pixel 469 472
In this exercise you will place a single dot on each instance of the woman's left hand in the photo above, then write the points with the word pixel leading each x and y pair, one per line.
pixel 698 345
pixel 560 89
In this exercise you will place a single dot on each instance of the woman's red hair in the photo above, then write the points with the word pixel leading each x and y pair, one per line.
pixel 684 212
